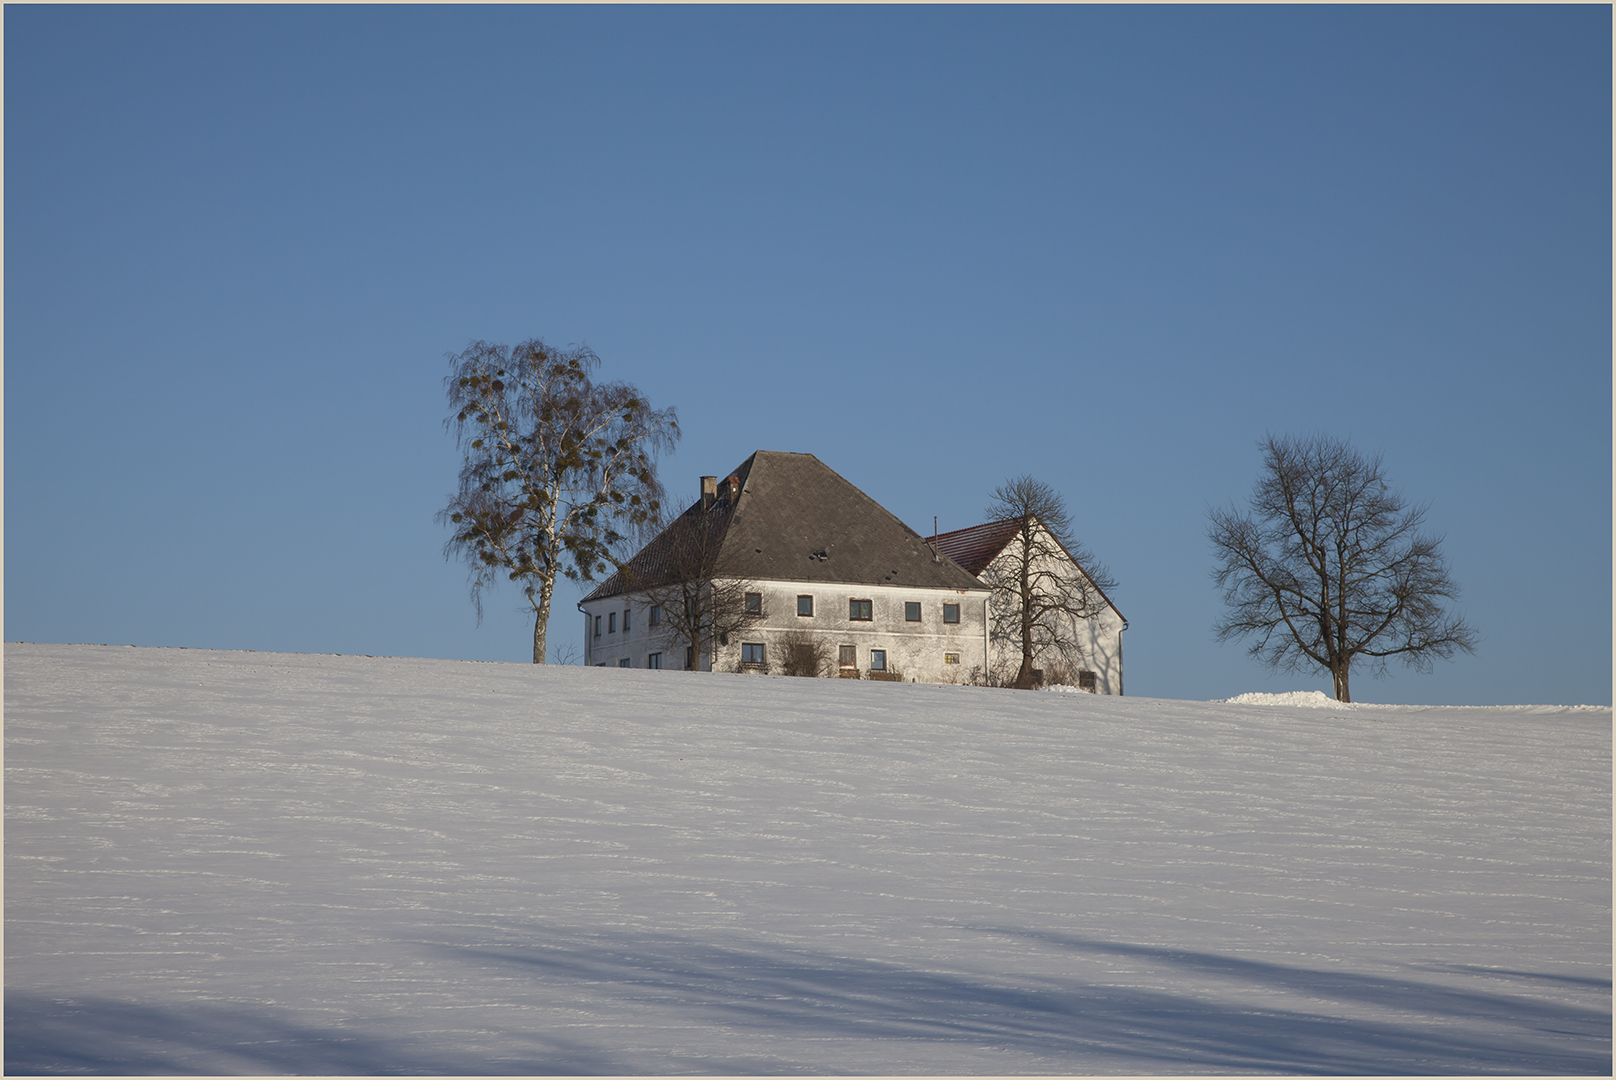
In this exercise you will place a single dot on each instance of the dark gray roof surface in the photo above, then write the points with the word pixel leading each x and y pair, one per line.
pixel 797 520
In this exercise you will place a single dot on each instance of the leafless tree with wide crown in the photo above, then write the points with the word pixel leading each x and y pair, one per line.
pixel 1330 566
pixel 1039 608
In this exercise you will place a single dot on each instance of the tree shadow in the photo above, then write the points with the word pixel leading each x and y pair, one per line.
pixel 761 1008
pixel 106 1037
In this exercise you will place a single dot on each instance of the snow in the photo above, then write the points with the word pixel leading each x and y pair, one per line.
pixel 1305 699
pixel 246 862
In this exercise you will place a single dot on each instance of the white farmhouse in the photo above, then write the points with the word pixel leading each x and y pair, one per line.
pixel 820 561
pixel 985 551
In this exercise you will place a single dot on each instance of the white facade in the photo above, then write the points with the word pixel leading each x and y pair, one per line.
pixel 1099 637
pixel 889 644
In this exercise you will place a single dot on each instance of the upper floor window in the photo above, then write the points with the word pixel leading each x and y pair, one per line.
pixel 859 610
pixel 911 612
pixel 625 619
pixel 754 603
pixel 805 606
pixel 656 616
pixel 951 613
pixel 751 652
pixel 597 626
pixel 611 622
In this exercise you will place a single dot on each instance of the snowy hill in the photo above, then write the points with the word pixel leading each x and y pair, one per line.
pixel 228 862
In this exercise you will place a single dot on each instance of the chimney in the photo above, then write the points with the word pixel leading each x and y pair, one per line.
pixel 709 491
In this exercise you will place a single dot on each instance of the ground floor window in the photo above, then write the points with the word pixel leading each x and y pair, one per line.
pixel 951 658
pixel 847 656
pixel 654 661
pixel 878 659
pixel 625 662
pixel 690 658
pixel 751 652
pixel 1086 680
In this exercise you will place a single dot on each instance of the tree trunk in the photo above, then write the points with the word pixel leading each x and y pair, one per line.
pixel 1339 677
pixel 541 618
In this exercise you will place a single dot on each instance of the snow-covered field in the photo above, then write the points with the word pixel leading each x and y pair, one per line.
pixel 253 862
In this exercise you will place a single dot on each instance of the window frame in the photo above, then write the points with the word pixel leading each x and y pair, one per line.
pixel 853 610
pixel 625 619
pixel 847 657
pixel 810 612
pixel 955 620
pixel 753 604
pixel 951 658
pixel 752 648
pixel 653 661
pixel 611 622
pixel 597 626
pixel 655 617
pixel 625 662
pixel 878 660
pixel 911 611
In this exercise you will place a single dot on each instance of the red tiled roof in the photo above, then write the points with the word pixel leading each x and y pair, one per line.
pixel 974 548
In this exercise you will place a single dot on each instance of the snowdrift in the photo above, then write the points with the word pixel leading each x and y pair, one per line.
pixel 244 862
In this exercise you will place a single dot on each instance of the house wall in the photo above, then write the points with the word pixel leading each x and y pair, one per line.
pixel 915 650
pixel 1100 638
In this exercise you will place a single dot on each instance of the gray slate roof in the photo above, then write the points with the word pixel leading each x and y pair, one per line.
pixel 796 519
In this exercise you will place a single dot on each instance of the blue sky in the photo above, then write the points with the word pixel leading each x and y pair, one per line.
pixel 937 247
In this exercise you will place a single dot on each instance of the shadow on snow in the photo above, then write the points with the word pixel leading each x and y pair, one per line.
pixel 753 997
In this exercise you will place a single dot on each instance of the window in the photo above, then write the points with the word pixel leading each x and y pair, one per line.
pixel 1087 681
pixel 911 612
pixel 847 656
pixel 751 652
pixel 878 659
pixel 805 606
pixel 951 613
pixel 611 622
pixel 951 658
pixel 625 619
pixel 656 616
pixel 601 664
pixel 624 662
pixel 654 661
pixel 597 626
pixel 723 639
pixel 859 610
pixel 754 603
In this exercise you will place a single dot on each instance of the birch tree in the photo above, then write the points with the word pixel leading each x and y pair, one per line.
pixel 558 469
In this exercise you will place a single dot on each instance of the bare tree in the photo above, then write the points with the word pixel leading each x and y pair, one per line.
pixel 555 467
pixel 1329 566
pixel 1039 606
pixel 683 572
pixel 805 654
